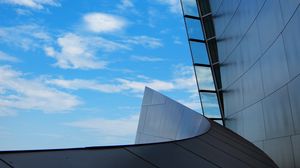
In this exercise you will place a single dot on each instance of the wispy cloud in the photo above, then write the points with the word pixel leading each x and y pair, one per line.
pixel 34 4
pixel 82 52
pixel 119 85
pixel 78 52
pixel 32 94
pixel 125 4
pixel 27 37
pixel 145 58
pixel 103 23
pixel 174 5
pixel 176 40
pixel 146 41
pixel 8 58
pixel 77 84
pixel 183 80
pixel 118 127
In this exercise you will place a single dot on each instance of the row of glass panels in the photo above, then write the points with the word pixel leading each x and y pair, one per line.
pixel 206 86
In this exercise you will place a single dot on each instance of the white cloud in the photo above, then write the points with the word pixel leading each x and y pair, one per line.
pixel 119 85
pixel 77 52
pixel 27 37
pixel 146 41
pixel 174 5
pixel 34 4
pixel 103 23
pixel 120 127
pixel 145 58
pixel 76 84
pixel 25 94
pixel 125 4
pixel 8 58
pixel 183 80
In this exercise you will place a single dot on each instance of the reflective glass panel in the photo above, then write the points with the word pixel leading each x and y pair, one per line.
pixel 219 122
pixel 194 28
pixel 190 7
pixel 199 53
pixel 204 77
pixel 210 105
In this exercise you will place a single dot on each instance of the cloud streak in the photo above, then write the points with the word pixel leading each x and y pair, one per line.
pixel 28 37
pixel 25 94
pixel 183 80
pixel 174 5
pixel 33 4
pixel 145 58
pixel 146 41
pixel 7 58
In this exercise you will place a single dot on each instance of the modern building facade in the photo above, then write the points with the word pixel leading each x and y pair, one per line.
pixel 246 55
pixel 258 56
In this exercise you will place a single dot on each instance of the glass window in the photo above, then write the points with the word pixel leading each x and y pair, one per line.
pixel 199 53
pixel 194 28
pixel 219 122
pixel 204 77
pixel 190 7
pixel 210 105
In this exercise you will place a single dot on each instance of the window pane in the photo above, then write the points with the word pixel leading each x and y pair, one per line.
pixel 194 28
pixel 210 105
pixel 199 53
pixel 204 77
pixel 190 7
pixel 219 122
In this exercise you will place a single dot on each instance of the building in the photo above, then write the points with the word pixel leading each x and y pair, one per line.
pixel 253 51
pixel 248 52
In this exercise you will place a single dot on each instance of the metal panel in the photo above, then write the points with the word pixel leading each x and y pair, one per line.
pixel 296 147
pixel 277 114
pixel 270 23
pixel 174 156
pixel 250 53
pixel 166 120
pixel 76 159
pixel 280 150
pixel 170 120
pixel 236 123
pixel 292 44
pixel 294 93
pixel 288 7
pixel 274 67
pixel 252 85
pixel 215 4
pixel 254 128
pixel 213 153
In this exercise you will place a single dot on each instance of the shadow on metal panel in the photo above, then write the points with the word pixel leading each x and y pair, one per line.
pixel 176 136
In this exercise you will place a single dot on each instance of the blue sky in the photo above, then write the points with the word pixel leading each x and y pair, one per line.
pixel 72 73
